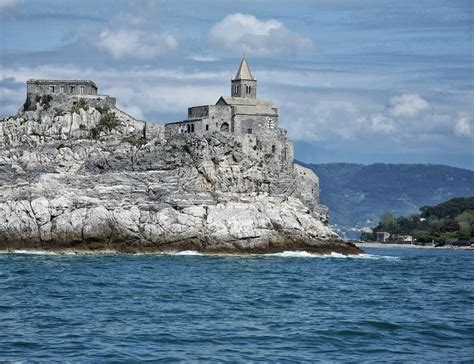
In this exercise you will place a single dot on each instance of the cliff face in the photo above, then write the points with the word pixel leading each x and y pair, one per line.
pixel 84 178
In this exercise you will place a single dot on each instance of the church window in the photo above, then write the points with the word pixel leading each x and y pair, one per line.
pixel 51 89
pixel 248 89
pixel 192 128
pixel 249 131
pixel 72 89
pixel 273 149
pixel 207 127
pixel 82 90
pixel 225 127
pixel 61 89
pixel 188 128
pixel 236 90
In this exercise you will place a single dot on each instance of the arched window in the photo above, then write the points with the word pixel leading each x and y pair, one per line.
pixel 248 89
pixel 188 128
pixel 236 90
pixel 192 128
pixel 225 127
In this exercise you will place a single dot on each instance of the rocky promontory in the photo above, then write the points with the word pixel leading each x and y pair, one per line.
pixel 81 175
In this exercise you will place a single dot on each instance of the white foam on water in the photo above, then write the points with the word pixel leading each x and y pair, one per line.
pixel 304 254
pixel 293 254
pixel 33 252
pixel 186 252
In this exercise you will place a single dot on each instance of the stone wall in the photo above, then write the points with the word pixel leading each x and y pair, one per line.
pixel 198 112
pixel 36 88
pixel 154 131
pixel 239 88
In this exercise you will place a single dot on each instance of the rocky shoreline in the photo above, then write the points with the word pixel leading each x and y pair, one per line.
pixel 319 248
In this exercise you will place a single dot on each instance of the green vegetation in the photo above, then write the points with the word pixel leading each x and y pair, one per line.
pixel 448 221
pixel 134 140
pixel 108 122
pixel 81 104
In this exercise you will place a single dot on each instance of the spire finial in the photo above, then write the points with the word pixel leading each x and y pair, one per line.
pixel 243 72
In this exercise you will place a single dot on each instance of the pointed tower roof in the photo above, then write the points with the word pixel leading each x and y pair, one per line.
pixel 244 71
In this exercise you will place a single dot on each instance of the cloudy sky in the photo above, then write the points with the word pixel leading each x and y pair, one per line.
pixel 355 81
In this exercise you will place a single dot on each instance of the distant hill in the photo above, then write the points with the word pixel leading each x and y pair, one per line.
pixel 357 195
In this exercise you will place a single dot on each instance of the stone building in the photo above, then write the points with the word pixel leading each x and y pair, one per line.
pixel 253 120
pixel 66 90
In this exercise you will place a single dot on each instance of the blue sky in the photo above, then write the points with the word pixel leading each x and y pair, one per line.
pixel 355 81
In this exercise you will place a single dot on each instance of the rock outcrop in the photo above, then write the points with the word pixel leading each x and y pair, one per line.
pixel 86 178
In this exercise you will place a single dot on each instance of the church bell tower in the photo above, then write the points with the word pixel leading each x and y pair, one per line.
pixel 244 84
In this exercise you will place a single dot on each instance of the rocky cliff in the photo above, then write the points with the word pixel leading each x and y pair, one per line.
pixel 83 176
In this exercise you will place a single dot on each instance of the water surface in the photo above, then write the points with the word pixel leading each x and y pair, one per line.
pixel 393 304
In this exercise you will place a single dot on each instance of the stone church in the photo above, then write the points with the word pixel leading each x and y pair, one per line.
pixel 253 120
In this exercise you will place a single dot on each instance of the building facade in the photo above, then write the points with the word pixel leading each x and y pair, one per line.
pixel 68 90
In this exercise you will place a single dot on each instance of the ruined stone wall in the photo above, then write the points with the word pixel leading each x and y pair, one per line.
pixel 198 112
pixel 154 131
pixel 217 115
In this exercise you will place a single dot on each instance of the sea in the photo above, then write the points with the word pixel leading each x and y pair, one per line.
pixel 388 305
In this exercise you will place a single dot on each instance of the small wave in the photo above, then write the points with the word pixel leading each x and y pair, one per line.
pixel 305 254
pixel 186 252
pixel 33 252
pixel 293 254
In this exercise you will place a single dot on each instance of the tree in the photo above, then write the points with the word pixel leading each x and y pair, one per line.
pixel 388 222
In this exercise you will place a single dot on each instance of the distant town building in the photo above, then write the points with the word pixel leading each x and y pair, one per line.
pixel 403 238
pixel 382 236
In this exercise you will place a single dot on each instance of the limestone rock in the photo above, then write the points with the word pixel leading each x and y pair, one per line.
pixel 64 188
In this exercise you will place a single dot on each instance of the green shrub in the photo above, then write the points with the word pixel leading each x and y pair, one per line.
pixel 108 121
pixel 134 140
pixel 81 104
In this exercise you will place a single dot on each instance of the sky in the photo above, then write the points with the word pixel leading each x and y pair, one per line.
pixel 359 81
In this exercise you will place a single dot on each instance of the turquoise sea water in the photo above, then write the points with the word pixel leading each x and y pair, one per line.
pixel 389 305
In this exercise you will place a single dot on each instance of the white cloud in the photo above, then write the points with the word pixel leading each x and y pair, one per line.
pixel 245 33
pixel 136 43
pixel 9 4
pixel 407 105
pixel 463 126
pixel 378 123
pixel 201 58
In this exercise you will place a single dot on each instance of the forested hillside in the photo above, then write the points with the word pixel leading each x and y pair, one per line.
pixel 447 222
